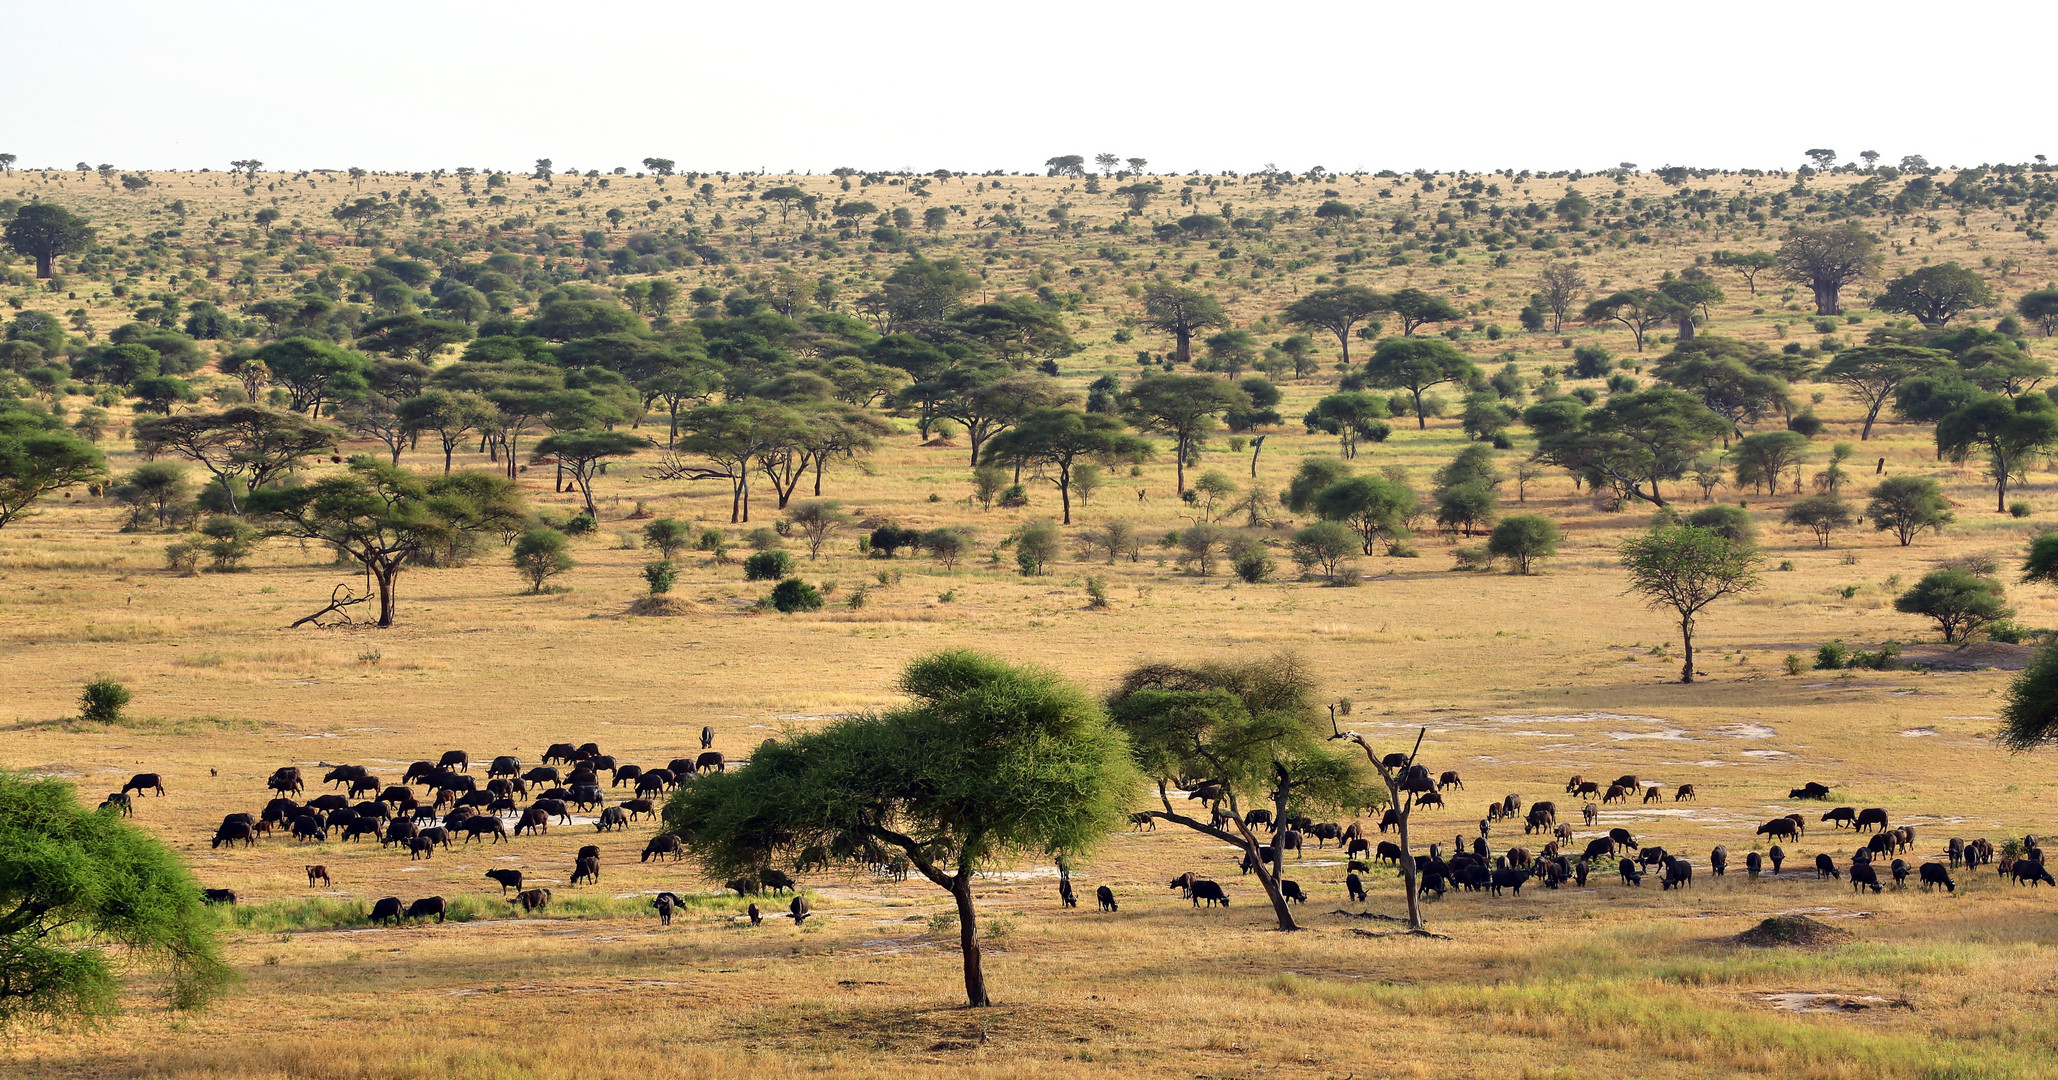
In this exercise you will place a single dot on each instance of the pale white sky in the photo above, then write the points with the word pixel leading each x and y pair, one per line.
pixel 805 85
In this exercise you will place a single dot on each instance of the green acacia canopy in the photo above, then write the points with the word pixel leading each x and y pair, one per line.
pixel 76 884
pixel 37 457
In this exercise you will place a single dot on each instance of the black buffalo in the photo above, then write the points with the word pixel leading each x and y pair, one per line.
pixel 508 879
pixel 425 907
pixel 1210 892
pixel 387 909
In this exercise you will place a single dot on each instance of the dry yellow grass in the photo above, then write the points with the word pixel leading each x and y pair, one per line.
pixel 1521 682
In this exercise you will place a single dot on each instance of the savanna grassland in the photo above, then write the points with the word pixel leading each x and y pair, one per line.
pixel 1520 681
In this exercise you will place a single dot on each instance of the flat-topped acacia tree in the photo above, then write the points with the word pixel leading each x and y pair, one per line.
pixel 985 760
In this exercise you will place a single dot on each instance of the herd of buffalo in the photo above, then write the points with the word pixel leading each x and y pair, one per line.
pixel 454 806
pixel 1475 867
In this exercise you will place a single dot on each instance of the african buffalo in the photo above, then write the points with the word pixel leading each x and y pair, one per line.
pixel 1630 874
pixel 1872 817
pixel 1106 897
pixel 553 807
pixel 1779 827
pixel 1212 893
pixel 1840 816
pixel 562 751
pixel 1825 867
pixel 425 907
pixel 1718 860
pixel 286 778
pixel 232 831
pixel 2025 871
pixel 142 782
pixel 532 899
pixel 1863 876
pixel 1683 791
pixel 1678 873
pixel 777 881
pixel 491 826
pixel 710 761
pixel 1291 890
pixel 455 759
pixel 386 909
pixel 1450 779
pixel 588 868
pixel 344 774
pixel 533 820
pixel 1809 790
pixel 1935 874
pixel 661 845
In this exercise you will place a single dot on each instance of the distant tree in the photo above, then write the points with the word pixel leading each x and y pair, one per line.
pixel 1747 263
pixel 921 294
pixel 2009 432
pixel 1338 310
pixel 1055 442
pixel 668 535
pixel 660 166
pixel 1641 310
pixel 247 444
pixel 1822 514
pixel 38 456
pixel 1823 159
pixel 1181 313
pixel 76 886
pixel 1375 508
pixel 1416 307
pixel 1327 546
pixel 1906 505
pixel 1634 441
pixel 584 453
pixel 1106 163
pixel 153 491
pixel 1763 458
pixel 1352 417
pixel 158 393
pixel 1690 292
pixel 541 554
pixel 1935 294
pixel 785 195
pixel 1687 569
pixel 1415 365
pixel 815 520
pixel 2040 307
pixel 384 517
pixel 1467 508
pixel 450 414
pixel 1559 287
pixel 315 372
pixel 1184 407
pixel 1315 474
pixel 986 760
pixel 411 337
pixel 1069 165
pixel 1524 538
pixel 42 231
pixel 1252 733
pixel 1017 330
pixel 1962 602
pixel 1875 372
pixel 1826 260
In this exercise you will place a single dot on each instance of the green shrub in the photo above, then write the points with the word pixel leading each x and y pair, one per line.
pixel 1036 545
pixel 668 535
pixel 183 557
pixel 102 701
pixel 1251 561
pixel 767 566
pixel 1832 656
pixel 2018 509
pixel 1096 593
pixel 793 595
pixel 1016 495
pixel 579 525
pixel 1794 664
pixel 661 575
pixel 711 540
pixel 230 540
pixel 540 555
pixel 763 539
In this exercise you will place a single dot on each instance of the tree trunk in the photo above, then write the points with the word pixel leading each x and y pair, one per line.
pixel 1686 637
pixel 1421 421
pixel 1184 352
pixel 42 265
pixel 1826 299
pixel 1179 465
pixel 968 941
pixel 1266 878
pixel 1686 326
pixel 385 576
pixel 1257 445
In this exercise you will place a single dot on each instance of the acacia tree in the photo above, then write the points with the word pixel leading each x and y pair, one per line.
pixel 1559 286
pixel 43 231
pixel 986 760
pixel 583 454
pixel 1054 441
pixel 1634 441
pixel 2009 431
pixel 730 436
pixel 1181 313
pixel 450 414
pixel 1826 260
pixel 1935 294
pixel 248 443
pixel 1415 365
pixel 74 883
pixel 1874 372
pixel 1184 407
pixel 383 517
pixel 1748 263
pixel 38 456
pixel 1242 733
pixel 1416 307
pixel 1338 310
pixel 1641 310
pixel 1687 568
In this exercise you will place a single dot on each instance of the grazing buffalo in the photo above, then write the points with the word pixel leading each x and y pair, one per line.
pixel 1622 838
pixel 1779 827
pixel 1580 870
pixel 488 824
pixel 1630 874
pixel 386 909
pixel 1184 883
pixel 562 751
pixel 400 831
pixel 1213 894
pixel 142 782
pixel 1506 879
pixel 218 896
pixel 587 868
pixel 1387 852
pixel 286 779
pixel 587 796
pixel 1678 873
pixel 1256 819
pixel 777 881
pixel 532 899
pixel 1809 790
pixel 1427 800
pixel 120 802
pixel 1683 791
pixel 317 873
pixel 743 886
pixel 611 819
pixel 581 777
pixel 1616 793
pixel 328 802
pixel 400 797
pixel 638 807
pixel 1753 862
pixel 554 808
pixel 710 761
pixel 420 770
pixel 1450 779
pixel 533 820
pixel 1290 839
pixel 654 782
pixel 1825 867
pixel 1872 817
pixel 543 774
pixel 1066 897
pixel 1778 855
pixel 586 751
pixel 1900 870
pixel 425 907
pixel 1955 850
pixel 508 879
pixel 420 847
pixel 344 774
pixel 1654 793
pixel 799 910
pixel 1863 876
pixel 1106 897
pixel 364 785
pixel 1718 860
pixel 707 737
pixel 232 831
pixel 2030 873
pixel 1598 848
pixel 1935 874
pixel 1390 819
pixel 505 765
pixel 455 759
pixel 1291 890
pixel 661 845
pixel 310 827
pixel 626 774
pixel 1840 816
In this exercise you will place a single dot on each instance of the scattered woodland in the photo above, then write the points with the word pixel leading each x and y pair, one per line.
pixel 1027 623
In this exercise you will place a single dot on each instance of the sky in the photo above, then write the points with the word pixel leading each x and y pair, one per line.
pixel 800 86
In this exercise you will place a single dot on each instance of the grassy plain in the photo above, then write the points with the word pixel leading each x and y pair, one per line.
pixel 1521 682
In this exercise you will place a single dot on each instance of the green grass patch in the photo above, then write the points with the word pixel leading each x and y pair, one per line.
pixel 327 913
